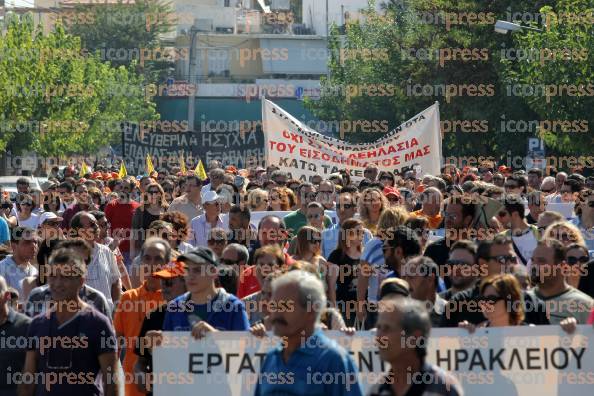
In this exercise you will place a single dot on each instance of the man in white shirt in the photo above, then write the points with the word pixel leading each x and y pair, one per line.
pixel 17 266
pixel 102 272
pixel 211 218
pixel 524 236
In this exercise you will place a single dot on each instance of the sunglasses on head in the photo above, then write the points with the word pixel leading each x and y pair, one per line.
pixel 575 260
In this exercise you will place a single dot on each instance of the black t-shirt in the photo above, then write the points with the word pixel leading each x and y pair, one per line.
pixel 464 306
pixel 346 285
pixel 530 219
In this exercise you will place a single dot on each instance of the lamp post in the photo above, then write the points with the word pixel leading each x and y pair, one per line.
pixel 505 26
pixel 192 72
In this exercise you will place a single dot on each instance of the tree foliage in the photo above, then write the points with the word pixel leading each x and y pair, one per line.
pixel 418 40
pixel 561 78
pixel 57 100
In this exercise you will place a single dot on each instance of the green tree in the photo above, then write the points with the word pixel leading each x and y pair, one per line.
pixel 56 100
pixel 416 42
pixel 133 29
pixel 561 75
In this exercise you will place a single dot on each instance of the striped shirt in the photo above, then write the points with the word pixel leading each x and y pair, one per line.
pixel 103 271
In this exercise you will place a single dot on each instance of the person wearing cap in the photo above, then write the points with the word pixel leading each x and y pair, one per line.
pixel 204 307
pixel 135 304
pixel 173 285
pixel 393 195
pixel 18 266
pixel 211 218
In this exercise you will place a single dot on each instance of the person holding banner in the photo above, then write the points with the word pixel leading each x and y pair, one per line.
pixel 402 336
pixel 309 363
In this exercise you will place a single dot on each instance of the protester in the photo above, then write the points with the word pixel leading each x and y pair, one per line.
pixel 13 326
pixel 190 203
pixel 153 205
pixel 523 235
pixel 217 241
pixel 135 304
pixel 211 218
pixel 422 276
pixel 549 267
pixel 257 200
pixel 371 205
pixel 402 336
pixel 304 360
pixel 70 318
pixel 103 273
pixel 206 308
pixel 306 194
pixel 180 230
pixel 279 199
pixel 240 228
pixel 83 203
pixel 461 268
pixel 431 200
pixel 315 215
pixel 119 214
pixel 19 265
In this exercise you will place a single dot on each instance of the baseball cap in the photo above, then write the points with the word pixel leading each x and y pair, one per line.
pixel 199 255
pixel 210 196
pixel 45 216
pixel 173 269
pixel 391 191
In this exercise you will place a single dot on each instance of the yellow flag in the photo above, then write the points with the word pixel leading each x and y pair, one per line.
pixel 83 170
pixel 199 171
pixel 182 164
pixel 123 172
pixel 149 165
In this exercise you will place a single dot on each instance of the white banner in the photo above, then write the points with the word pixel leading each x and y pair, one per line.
pixel 524 360
pixel 303 152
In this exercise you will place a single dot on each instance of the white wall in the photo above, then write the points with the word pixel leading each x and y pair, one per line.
pixel 314 12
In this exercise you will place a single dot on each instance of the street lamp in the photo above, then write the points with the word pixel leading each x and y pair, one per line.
pixel 191 70
pixel 504 26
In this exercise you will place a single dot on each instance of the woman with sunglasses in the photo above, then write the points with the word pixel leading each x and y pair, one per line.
pixel 315 215
pixel 500 302
pixel 257 200
pixel 279 200
pixel 344 261
pixel 153 205
pixel 371 206
pixel 25 216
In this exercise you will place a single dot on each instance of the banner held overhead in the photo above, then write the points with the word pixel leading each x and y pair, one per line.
pixel 303 152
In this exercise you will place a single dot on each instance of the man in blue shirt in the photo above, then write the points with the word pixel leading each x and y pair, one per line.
pixel 307 362
pixel 4 232
pixel 204 308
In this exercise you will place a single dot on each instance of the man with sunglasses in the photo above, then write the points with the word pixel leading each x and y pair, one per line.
pixel 119 213
pixel 135 304
pixel 173 285
pixel 103 273
pixel 346 208
pixel 82 340
pixel 523 235
pixel 493 257
pixel 549 271
pixel 306 193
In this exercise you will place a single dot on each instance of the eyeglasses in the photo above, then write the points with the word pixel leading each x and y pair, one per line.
pixel 228 262
pixel 574 260
pixel 217 241
pixel 347 206
pixel 503 259
pixel 316 240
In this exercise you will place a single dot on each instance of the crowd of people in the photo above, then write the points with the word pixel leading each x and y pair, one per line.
pixel 121 260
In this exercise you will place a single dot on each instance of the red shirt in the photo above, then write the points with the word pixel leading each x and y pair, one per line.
pixel 248 283
pixel 119 216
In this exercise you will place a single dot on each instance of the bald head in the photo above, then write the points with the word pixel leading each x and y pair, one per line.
pixel 431 200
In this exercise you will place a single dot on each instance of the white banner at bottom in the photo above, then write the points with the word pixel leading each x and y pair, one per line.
pixel 542 360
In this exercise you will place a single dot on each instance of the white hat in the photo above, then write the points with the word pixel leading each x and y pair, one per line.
pixel 45 216
pixel 210 196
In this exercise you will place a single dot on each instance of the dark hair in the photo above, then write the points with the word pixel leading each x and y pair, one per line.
pixel 77 243
pixel 575 185
pixel 97 214
pixel 350 189
pixel 404 238
pixel 465 244
pixel 535 171
pixel 179 221
pixel 483 250
pixel 558 248
pixel 22 180
pixel 514 203
pixel 520 179
pixel 66 186
pixel 468 206
pixel 227 278
pixel 244 211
